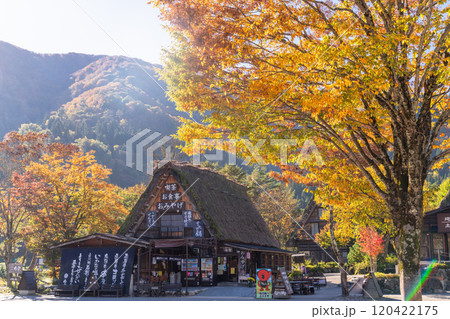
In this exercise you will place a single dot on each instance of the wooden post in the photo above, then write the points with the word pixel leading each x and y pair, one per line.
pixel 138 275
pixel 186 276
pixel 150 264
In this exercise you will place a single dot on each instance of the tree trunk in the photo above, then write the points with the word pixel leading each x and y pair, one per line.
pixel 371 263
pixel 340 258
pixel 408 250
pixel 33 262
pixel 409 222
pixel 8 260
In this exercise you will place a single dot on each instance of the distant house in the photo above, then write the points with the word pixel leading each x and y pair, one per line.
pixel 191 225
pixel 305 243
pixel 435 242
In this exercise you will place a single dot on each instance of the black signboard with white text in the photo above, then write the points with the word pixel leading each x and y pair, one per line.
pixel 170 196
pixel 152 218
pixel 170 206
pixel 188 218
pixel 198 229
pixel 172 187
pixel 110 265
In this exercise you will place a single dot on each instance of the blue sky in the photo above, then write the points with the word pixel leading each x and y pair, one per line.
pixel 61 26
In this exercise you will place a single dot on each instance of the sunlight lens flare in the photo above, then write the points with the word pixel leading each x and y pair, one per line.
pixel 422 281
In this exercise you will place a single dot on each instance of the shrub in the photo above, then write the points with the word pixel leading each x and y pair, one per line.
pixel 380 275
pixel 295 274
pixel 355 255
pixel 442 266
pixel 2 271
pixel 315 270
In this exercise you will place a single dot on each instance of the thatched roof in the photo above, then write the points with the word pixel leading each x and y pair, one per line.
pixel 225 208
pixel 446 201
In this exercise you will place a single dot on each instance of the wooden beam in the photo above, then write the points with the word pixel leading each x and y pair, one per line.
pixel 139 265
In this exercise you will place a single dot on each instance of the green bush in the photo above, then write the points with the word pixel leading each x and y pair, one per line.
pixel 361 267
pixel 392 259
pixel 315 270
pixel 355 255
pixel 381 275
pixel 2 271
pixel 442 266
pixel 295 274
pixel 386 263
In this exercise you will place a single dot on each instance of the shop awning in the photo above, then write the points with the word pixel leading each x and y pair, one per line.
pixel 259 248
pixel 169 243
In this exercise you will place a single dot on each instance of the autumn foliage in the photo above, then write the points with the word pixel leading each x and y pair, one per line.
pixel 366 81
pixel 70 198
pixel 51 192
pixel 371 243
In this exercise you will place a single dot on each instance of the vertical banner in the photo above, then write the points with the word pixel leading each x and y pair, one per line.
pixel 152 218
pixel 264 283
pixel 242 263
pixel 198 229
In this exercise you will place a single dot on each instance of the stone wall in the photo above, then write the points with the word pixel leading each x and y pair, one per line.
pixel 438 282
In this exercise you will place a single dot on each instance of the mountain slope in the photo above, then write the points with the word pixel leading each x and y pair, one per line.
pixel 32 85
pixel 96 102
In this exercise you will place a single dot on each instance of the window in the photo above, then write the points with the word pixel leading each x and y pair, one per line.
pixel 188 232
pixel 171 226
pixel 438 245
pixel 320 212
pixel 314 229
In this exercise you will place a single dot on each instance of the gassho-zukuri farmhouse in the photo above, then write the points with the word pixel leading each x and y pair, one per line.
pixel 191 226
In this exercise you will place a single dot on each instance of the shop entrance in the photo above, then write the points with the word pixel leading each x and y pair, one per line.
pixel 227 268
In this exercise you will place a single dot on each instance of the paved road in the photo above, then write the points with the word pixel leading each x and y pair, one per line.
pixel 235 293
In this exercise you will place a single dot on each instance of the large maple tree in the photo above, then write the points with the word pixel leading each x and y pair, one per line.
pixel 16 152
pixel 71 197
pixel 367 81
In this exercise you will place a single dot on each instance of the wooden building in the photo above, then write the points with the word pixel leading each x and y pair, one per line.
pixel 435 242
pixel 305 244
pixel 194 226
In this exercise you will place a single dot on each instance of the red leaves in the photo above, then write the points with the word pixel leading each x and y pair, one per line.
pixel 370 241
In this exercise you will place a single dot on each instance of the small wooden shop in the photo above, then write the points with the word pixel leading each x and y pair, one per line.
pixel 193 227
pixel 435 242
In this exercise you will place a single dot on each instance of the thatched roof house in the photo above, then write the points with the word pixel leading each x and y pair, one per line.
pixel 191 226
pixel 224 205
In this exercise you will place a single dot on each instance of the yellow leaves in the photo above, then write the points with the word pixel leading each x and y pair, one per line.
pixel 76 197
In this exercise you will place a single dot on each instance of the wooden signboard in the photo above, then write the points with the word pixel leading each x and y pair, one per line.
pixel 286 281
pixel 282 286
pixel 14 268
pixel 443 221
pixel 170 206
pixel 172 187
pixel 170 196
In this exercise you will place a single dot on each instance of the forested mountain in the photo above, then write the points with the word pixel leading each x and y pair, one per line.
pixel 94 101
pixel 97 102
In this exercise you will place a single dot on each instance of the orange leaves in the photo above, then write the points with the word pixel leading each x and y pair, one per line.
pixel 73 196
pixel 352 82
pixel 370 241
